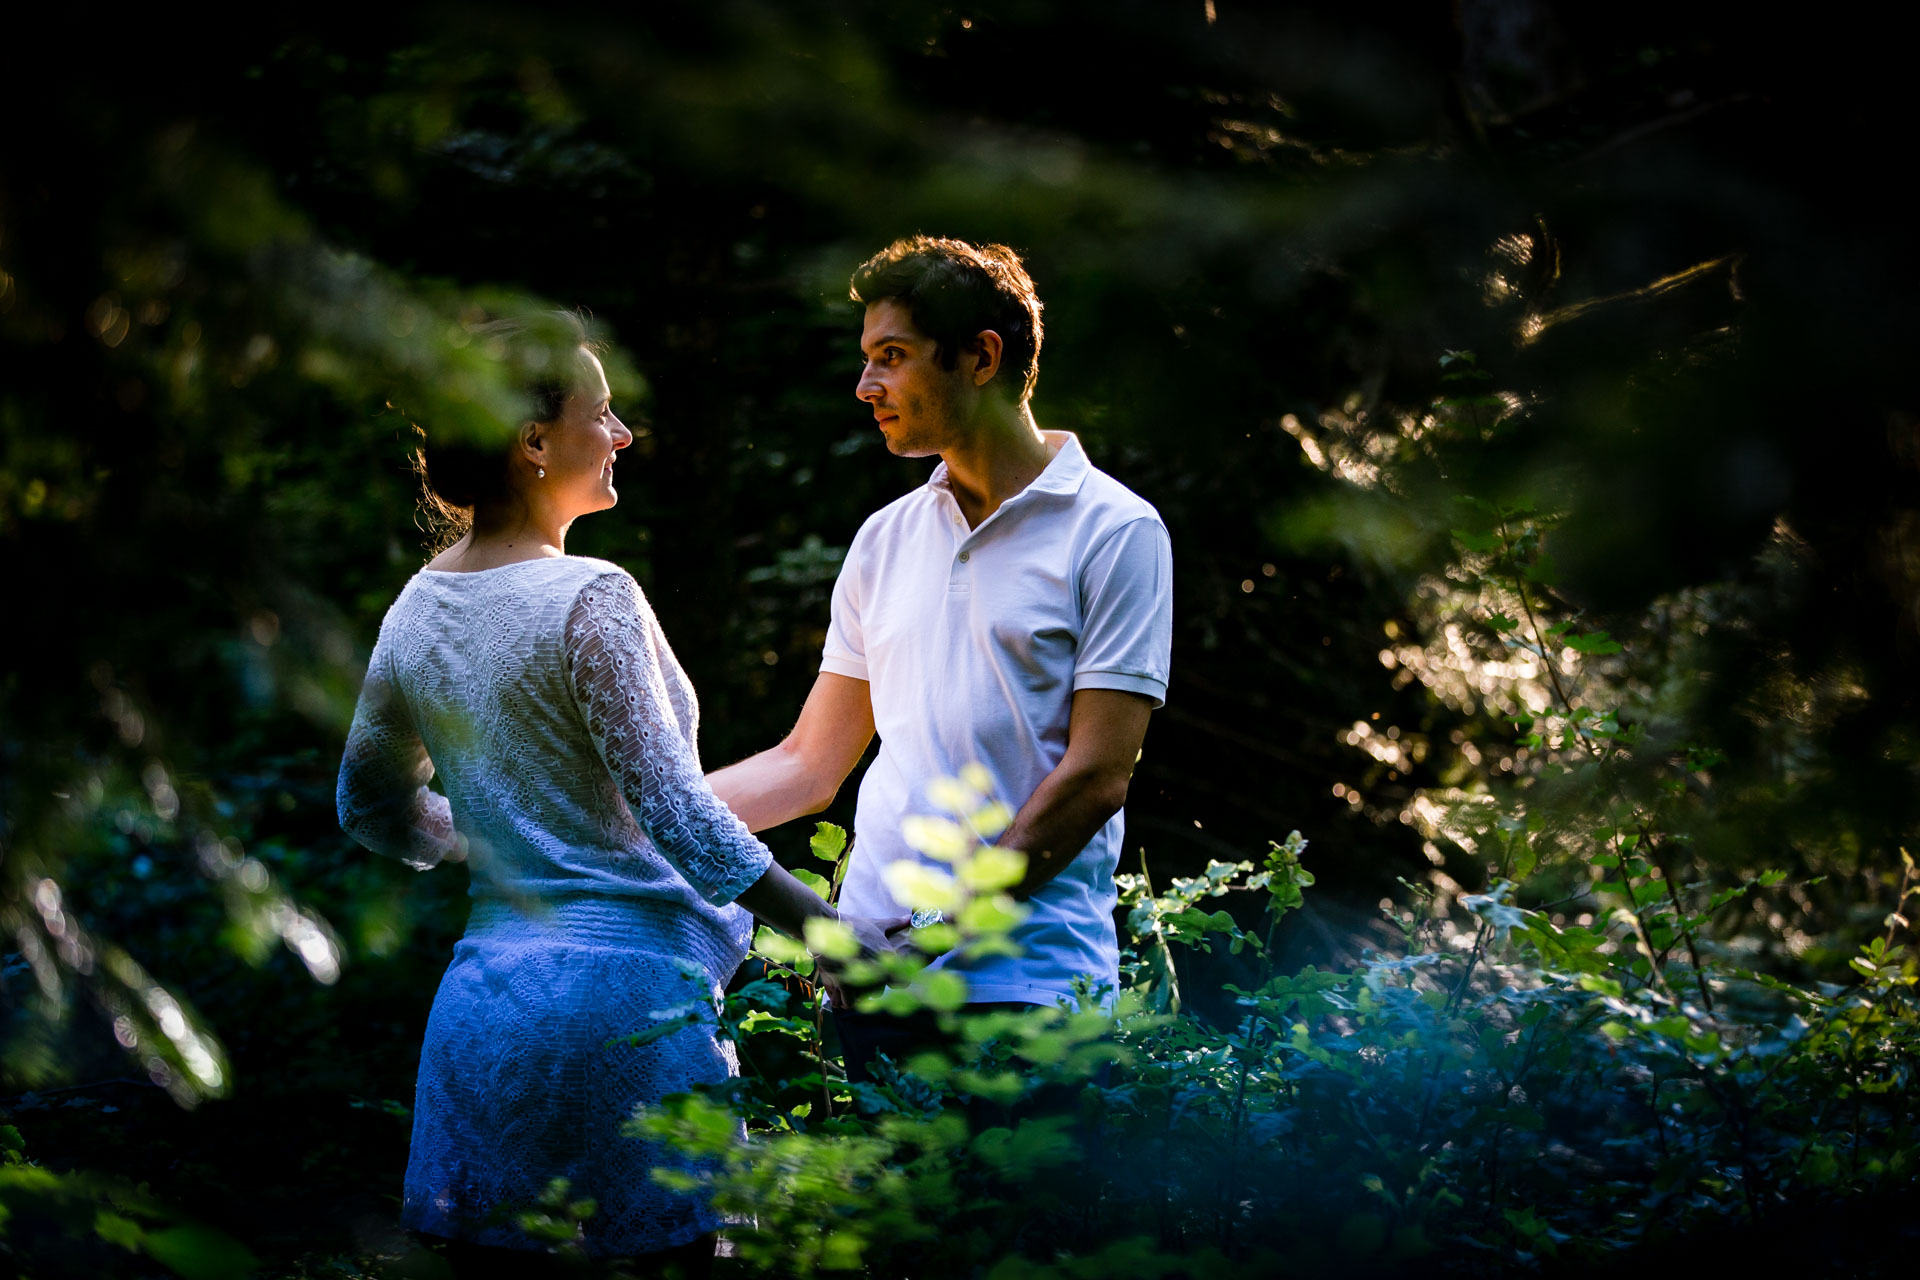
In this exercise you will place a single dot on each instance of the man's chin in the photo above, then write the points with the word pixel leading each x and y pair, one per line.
pixel 908 447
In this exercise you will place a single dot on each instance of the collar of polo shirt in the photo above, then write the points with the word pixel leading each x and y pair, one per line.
pixel 1064 473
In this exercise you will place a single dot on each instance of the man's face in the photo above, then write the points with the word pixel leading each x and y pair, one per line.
pixel 919 407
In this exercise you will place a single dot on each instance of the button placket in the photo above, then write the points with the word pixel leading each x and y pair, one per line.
pixel 959 579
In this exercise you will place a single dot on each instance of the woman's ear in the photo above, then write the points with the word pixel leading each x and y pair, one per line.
pixel 987 350
pixel 533 443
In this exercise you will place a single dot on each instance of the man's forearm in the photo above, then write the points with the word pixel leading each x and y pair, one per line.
pixel 769 789
pixel 1064 812
pixel 803 773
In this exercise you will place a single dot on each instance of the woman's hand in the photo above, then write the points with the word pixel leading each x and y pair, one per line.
pixel 876 935
pixel 786 904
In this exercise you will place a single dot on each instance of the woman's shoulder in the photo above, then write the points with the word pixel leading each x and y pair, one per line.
pixel 536 574
pixel 599 590
pixel 602 579
pixel 590 567
pixel 536 586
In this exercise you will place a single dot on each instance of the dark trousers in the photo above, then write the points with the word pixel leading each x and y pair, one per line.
pixel 464 1261
pixel 863 1036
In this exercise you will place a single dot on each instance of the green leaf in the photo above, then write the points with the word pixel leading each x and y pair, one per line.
pixel 992 868
pixel 941 839
pixel 841 1250
pixel 991 915
pixel 1820 1166
pixel 996 1086
pixel 828 842
pixel 942 989
pixel 935 939
pixel 666 1022
pixel 1596 643
pixel 830 940
pixel 778 947
pixel 200 1253
pixel 114 1229
pixel 1493 905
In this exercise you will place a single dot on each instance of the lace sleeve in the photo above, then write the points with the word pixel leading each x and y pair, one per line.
pixel 382 797
pixel 614 664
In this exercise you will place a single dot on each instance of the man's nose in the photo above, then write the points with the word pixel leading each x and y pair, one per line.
pixel 868 388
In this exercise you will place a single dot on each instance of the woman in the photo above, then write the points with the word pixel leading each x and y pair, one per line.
pixel 540 688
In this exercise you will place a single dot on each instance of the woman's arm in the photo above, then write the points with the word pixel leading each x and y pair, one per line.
pixel 613 662
pixel 382 796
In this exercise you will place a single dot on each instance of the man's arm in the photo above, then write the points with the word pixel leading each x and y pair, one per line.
pixel 804 772
pixel 1088 786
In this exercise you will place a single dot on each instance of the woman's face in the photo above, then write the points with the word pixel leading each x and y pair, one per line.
pixel 578 449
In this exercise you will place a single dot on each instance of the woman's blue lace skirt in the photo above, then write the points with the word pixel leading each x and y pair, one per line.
pixel 518 1084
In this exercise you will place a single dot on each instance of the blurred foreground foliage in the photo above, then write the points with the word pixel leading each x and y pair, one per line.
pixel 1522 388
pixel 1510 1094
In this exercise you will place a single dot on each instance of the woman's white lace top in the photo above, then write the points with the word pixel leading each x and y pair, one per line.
pixel 565 734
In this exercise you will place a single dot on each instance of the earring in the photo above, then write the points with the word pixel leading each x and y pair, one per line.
pixel 542 471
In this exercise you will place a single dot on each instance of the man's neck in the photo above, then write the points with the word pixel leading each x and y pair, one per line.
pixel 1002 456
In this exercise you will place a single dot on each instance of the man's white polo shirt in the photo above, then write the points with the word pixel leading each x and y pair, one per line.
pixel 973 642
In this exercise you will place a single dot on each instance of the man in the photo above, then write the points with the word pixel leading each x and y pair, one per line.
pixel 1014 611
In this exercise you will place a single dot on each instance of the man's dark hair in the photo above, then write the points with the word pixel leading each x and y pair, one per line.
pixel 953 291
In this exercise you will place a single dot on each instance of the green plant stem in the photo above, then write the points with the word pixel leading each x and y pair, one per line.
pixel 1160 939
pixel 819 1006
pixel 1899 901
pixel 1229 1179
pixel 1594 750
pixel 1657 976
pixel 820 1051
pixel 1679 915
pixel 1473 959
pixel 1479 941
pixel 1540 641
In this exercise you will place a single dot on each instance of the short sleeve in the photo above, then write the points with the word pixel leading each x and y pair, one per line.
pixel 1126 594
pixel 845 652
pixel 614 666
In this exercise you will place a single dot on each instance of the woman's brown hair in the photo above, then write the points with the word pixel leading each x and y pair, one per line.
pixel 458 473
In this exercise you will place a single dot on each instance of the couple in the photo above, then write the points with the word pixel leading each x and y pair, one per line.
pixel 1014 611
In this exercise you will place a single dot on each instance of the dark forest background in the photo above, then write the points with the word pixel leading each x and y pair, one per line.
pixel 235 262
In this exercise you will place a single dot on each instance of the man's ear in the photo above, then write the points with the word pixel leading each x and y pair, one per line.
pixel 986 352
